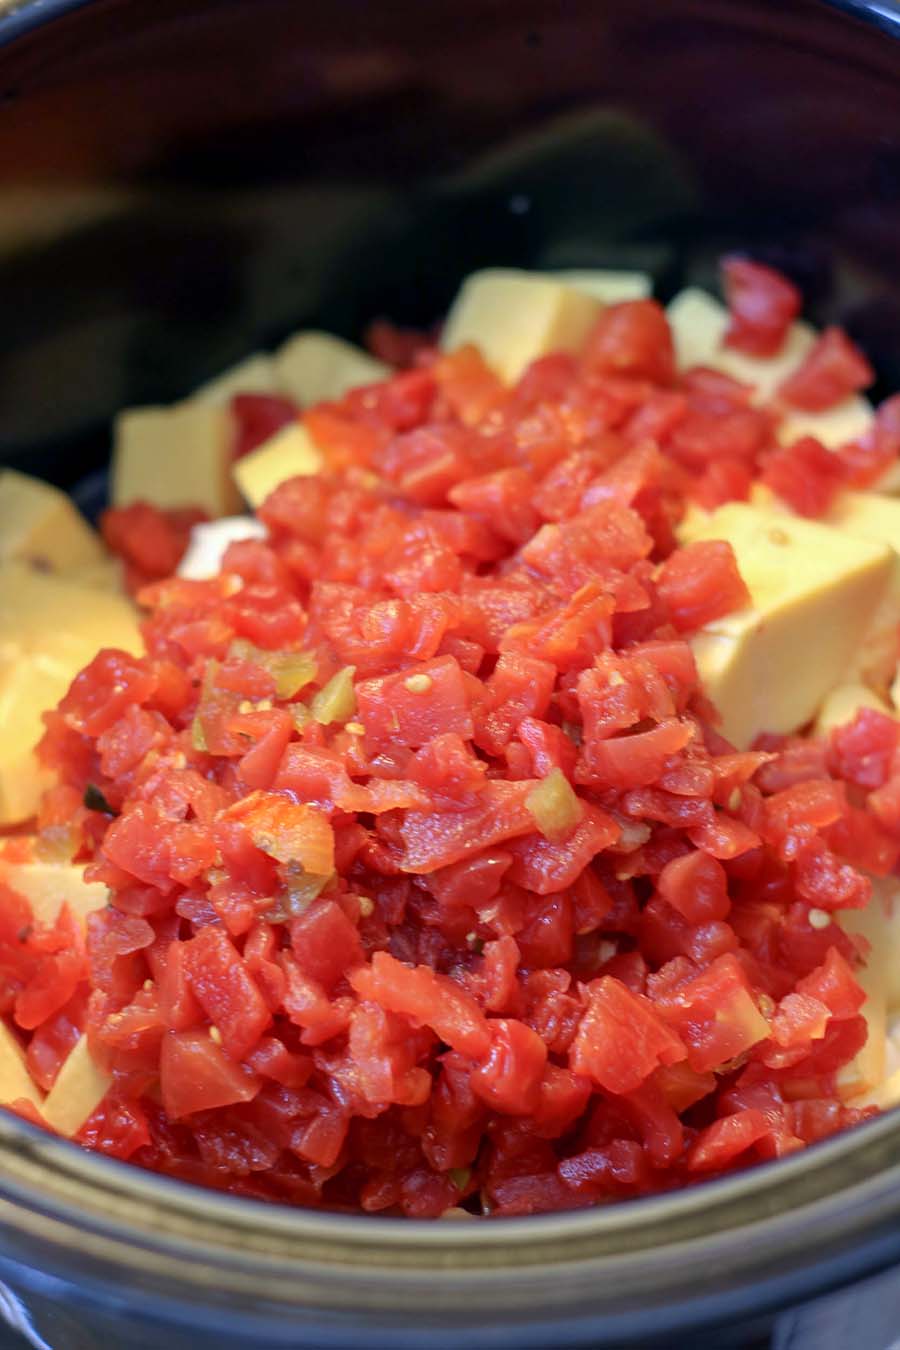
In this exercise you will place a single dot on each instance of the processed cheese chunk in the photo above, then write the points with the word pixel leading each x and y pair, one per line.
pixel 814 591
pixel 15 1080
pixel 41 525
pixel 49 630
pixel 843 703
pixel 867 1068
pixel 289 452
pixel 254 375
pixel 607 284
pixel 870 515
pixel 698 322
pixel 178 456
pixel 49 886
pixel 311 367
pixel 515 317
pixel 79 1089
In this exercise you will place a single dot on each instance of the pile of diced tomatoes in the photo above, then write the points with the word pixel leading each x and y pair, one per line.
pixel 433 883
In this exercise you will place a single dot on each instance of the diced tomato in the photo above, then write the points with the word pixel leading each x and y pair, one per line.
pixel 833 369
pixel 715 1015
pixel 621 1039
pixel 429 999
pixel 325 943
pixel 415 705
pixel 430 880
pixel 632 339
pixel 197 1075
pixel 700 583
pixel 225 990
pixel 762 305
pixel 510 1078
pixel 258 417
pixel 697 886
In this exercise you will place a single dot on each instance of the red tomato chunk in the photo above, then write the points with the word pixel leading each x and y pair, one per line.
pixel 432 881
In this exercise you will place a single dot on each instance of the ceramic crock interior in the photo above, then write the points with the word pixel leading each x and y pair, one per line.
pixel 181 182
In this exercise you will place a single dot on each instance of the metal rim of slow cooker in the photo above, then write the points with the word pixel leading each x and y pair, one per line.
pixel 735 1246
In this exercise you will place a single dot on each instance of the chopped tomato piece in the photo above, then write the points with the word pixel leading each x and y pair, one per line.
pixel 834 369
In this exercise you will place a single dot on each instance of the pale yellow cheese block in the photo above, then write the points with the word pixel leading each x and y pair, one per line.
pixel 15 1080
pixel 287 454
pixel 254 375
pixel 106 574
pixel 48 886
pixel 515 317
pixel 609 285
pixel 79 1089
pixel 178 456
pixel 867 1068
pixel 884 1095
pixel 41 525
pixel 312 367
pixel 698 322
pixel 871 515
pixel 814 592
pixel 843 702
pixel 49 630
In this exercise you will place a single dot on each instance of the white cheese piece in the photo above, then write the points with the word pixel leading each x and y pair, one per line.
pixel 209 541
pixel 15 1080
pixel 48 886
pixel 814 591
pixel 79 1089
pixel 312 367
pixel 698 322
pixel 515 317
pixel 287 454
pixel 608 285
pixel 178 456
pixel 254 375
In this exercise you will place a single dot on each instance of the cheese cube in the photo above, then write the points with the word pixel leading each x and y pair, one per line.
pixel 847 421
pixel 15 1080
pixel 289 452
pixel 79 1089
pixel 843 703
pixel 887 889
pixel 814 591
pixel 867 1068
pixel 48 886
pixel 49 630
pixel 870 515
pixel 254 375
pixel 210 540
pixel 41 525
pixel 607 285
pixel 311 367
pixel 698 322
pixel 106 574
pixel 178 456
pixel 515 317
